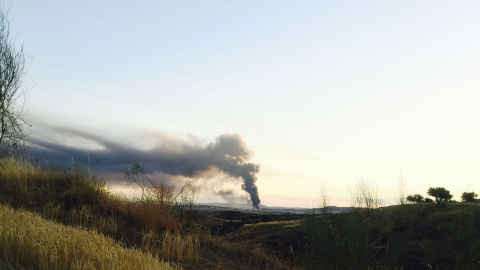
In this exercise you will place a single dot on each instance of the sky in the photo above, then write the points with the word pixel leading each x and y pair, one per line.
pixel 308 95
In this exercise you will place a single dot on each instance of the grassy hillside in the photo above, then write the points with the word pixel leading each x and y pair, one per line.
pixel 59 219
pixel 78 199
pixel 415 236
pixel 28 240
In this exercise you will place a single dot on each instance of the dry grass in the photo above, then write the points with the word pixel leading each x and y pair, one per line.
pixel 249 254
pixel 28 240
pixel 172 246
pixel 364 195
pixel 22 184
pixel 155 217
pixel 75 197
pixel 85 217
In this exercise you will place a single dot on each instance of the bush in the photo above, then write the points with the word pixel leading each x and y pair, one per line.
pixel 440 194
pixel 428 200
pixel 365 195
pixel 469 196
pixel 415 198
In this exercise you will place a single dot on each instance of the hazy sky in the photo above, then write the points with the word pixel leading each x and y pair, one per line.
pixel 323 92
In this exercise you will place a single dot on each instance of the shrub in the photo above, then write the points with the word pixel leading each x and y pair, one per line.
pixel 415 198
pixel 428 200
pixel 469 196
pixel 158 200
pixel 365 195
pixel 440 194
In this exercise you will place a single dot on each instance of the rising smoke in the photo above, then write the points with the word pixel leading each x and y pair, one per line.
pixel 170 155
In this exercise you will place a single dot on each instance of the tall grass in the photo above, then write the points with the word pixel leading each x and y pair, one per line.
pixel 335 245
pixel 365 195
pixel 23 184
pixel 30 241
pixel 402 191
pixel 76 197
pixel 172 246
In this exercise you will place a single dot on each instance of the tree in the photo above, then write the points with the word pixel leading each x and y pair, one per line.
pixel 12 71
pixel 440 194
pixel 469 196
pixel 415 198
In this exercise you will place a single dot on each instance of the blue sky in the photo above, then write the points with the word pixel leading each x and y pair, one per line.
pixel 321 91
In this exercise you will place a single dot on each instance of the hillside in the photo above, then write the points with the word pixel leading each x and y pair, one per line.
pixel 77 198
pixel 415 236
pixel 52 207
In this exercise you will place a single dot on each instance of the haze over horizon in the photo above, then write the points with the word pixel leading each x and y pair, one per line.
pixel 297 95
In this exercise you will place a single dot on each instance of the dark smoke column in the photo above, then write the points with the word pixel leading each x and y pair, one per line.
pixel 250 187
pixel 232 156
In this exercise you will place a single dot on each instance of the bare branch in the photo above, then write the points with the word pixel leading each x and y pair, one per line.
pixel 12 70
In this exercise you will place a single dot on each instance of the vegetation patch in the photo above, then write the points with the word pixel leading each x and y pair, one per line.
pixel 32 242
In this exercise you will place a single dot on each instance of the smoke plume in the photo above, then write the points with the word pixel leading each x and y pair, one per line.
pixel 171 155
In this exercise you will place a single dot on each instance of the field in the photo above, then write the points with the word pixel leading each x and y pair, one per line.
pixel 61 219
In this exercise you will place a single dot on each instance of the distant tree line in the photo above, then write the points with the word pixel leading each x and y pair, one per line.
pixel 440 195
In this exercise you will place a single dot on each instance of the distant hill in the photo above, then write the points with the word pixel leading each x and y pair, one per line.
pixel 267 209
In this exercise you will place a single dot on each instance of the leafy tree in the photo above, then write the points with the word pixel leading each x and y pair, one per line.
pixel 469 196
pixel 415 198
pixel 440 194
pixel 12 70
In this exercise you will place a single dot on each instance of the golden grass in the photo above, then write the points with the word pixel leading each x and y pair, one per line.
pixel 154 215
pixel 172 246
pixel 84 218
pixel 16 174
pixel 28 240
pixel 76 197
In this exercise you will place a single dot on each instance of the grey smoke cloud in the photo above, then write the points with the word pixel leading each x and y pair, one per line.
pixel 170 155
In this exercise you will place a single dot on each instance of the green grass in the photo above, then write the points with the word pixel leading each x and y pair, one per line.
pixel 396 237
pixel 413 236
